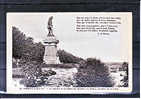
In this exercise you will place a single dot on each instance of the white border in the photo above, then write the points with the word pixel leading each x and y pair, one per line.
pixel 79 90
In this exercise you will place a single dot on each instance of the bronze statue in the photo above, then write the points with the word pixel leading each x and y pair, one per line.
pixel 50 26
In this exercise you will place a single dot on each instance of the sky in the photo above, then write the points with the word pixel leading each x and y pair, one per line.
pixel 108 48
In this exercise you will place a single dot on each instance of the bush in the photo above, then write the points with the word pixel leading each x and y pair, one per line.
pixel 94 74
pixel 66 57
pixel 125 79
pixel 33 75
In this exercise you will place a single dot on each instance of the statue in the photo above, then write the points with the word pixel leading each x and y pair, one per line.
pixel 50 44
pixel 50 26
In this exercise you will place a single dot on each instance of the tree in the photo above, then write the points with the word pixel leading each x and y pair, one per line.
pixel 18 42
pixel 25 47
pixel 66 57
pixel 37 52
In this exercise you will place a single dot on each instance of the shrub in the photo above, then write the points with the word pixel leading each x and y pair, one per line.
pixel 66 57
pixel 125 78
pixel 94 74
pixel 33 75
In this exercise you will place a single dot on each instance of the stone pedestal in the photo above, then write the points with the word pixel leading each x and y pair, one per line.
pixel 50 55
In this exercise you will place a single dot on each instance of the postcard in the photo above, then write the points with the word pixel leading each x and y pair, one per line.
pixel 69 52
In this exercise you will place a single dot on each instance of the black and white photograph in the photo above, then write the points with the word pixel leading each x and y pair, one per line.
pixel 89 52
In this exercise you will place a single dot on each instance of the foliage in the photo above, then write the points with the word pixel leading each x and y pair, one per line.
pixel 34 76
pixel 125 66
pixel 66 57
pixel 94 63
pixel 25 48
pixel 94 74
pixel 125 79
pixel 18 42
